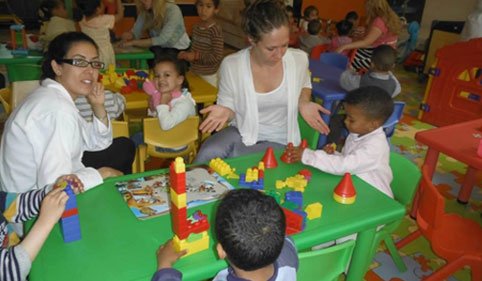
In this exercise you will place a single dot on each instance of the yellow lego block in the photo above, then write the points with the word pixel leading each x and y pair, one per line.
pixel 314 210
pixel 261 166
pixel 316 79
pixel 192 247
pixel 221 167
pixel 180 200
pixel 251 175
pixel 280 184
pixel 179 166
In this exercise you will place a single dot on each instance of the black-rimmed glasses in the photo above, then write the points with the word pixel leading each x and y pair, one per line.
pixel 84 63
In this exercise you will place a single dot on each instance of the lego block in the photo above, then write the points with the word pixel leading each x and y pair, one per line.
pixel 180 200
pixel 70 212
pixel 200 244
pixel 70 228
pixel 294 196
pixel 294 222
pixel 279 184
pixel 314 210
pixel 221 167
pixel 179 166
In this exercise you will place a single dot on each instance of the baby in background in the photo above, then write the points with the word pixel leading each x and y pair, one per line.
pixel 366 151
pixel 207 47
pixel 55 20
pixel 310 13
pixel 97 25
pixel 313 37
pixel 380 73
pixel 343 29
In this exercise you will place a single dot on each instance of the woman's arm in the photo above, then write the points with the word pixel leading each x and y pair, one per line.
pixel 373 34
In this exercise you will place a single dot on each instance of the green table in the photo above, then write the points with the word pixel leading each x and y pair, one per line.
pixel 117 246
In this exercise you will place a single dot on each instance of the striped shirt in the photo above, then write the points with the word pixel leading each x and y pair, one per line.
pixel 114 104
pixel 15 262
pixel 208 43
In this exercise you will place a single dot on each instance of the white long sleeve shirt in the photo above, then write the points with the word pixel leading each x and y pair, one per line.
pixel 367 157
pixel 45 137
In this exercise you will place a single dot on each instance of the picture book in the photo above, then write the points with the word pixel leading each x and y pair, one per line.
pixel 147 197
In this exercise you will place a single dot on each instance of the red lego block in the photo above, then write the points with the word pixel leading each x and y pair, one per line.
pixel 294 222
pixel 70 212
pixel 179 222
pixel 306 173
pixel 198 226
pixel 177 180
pixel 130 73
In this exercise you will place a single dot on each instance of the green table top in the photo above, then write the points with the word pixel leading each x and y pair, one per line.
pixel 117 246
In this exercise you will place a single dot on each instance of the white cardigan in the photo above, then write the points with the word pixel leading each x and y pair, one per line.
pixel 236 91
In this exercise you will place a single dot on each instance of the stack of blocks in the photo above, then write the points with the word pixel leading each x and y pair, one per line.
pixel 295 216
pixel 69 222
pixel 254 177
pixel 189 234
pixel 222 168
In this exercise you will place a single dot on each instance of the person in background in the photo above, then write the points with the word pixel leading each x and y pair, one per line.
pixel 97 25
pixel 310 13
pixel 294 29
pixel 313 37
pixel 46 137
pixel 258 250
pixel 343 29
pixel 207 47
pixel 163 22
pixel 114 104
pixel 16 256
pixel 261 90
pixel 55 20
pixel 357 31
pixel 384 27
pixel 366 152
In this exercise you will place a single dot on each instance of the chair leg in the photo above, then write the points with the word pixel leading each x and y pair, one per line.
pixel 448 269
pixel 409 238
pixel 397 259
pixel 142 152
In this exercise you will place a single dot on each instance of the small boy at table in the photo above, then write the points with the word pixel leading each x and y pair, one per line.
pixel 366 151
pixel 250 228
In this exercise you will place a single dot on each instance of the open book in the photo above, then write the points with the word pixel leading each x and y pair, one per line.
pixel 148 197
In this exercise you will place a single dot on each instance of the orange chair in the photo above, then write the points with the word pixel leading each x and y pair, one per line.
pixel 452 237
pixel 317 50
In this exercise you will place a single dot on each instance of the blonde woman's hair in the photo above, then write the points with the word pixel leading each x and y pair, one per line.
pixel 380 8
pixel 158 13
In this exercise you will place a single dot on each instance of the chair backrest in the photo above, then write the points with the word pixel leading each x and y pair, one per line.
pixel 325 264
pixel 20 90
pixel 24 78
pixel 182 134
pixel 308 133
pixel 406 177
pixel 334 59
pixel 431 205
pixel 389 125
pixel 119 129
pixel 317 50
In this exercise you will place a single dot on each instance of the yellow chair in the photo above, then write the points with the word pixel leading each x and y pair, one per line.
pixel 185 133
pixel 121 129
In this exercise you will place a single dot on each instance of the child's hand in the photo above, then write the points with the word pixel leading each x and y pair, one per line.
pixel 296 153
pixel 330 148
pixel 167 255
pixel 188 56
pixel 53 206
pixel 76 185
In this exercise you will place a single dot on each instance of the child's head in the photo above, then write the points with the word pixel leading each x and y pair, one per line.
pixel 90 8
pixel 250 229
pixel 50 8
pixel 206 9
pixel 343 27
pixel 310 13
pixel 383 58
pixel 352 17
pixel 290 11
pixel 314 27
pixel 169 71
pixel 367 108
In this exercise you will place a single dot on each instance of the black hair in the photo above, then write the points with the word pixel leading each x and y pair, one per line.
pixel 384 58
pixel 374 101
pixel 88 7
pixel 351 16
pixel 215 2
pixel 250 226
pixel 307 11
pixel 262 16
pixel 314 27
pixel 44 11
pixel 58 49
pixel 169 55
pixel 343 27
pixel 290 9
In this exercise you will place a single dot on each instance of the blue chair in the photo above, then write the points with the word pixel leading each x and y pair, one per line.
pixel 389 126
pixel 334 59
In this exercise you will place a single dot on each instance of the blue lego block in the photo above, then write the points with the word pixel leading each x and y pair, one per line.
pixel 253 185
pixel 303 215
pixel 70 228
pixel 142 74
pixel 72 201
pixel 295 197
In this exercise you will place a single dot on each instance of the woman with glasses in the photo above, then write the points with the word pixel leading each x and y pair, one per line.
pixel 46 137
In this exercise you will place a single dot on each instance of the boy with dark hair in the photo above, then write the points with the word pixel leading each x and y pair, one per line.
pixel 380 73
pixel 366 151
pixel 357 32
pixel 343 29
pixel 250 228
pixel 313 37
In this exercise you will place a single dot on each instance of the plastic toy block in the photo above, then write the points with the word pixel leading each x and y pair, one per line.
pixel 279 184
pixel 70 212
pixel 178 165
pixel 306 173
pixel 142 74
pixel 130 73
pixel 221 167
pixel 261 166
pixel 180 200
pixel 297 182
pixel 198 226
pixel 192 247
pixel 179 222
pixel 269 159
pixel 287 155
pixel 345 192
pixel 70 227
pixel 294 222
pixel 290 205
pixel 294 196
pixel 316 79
pixel 259 184
pixel 198 215
pixel 314 210
pixel 72 201
pixel 251 175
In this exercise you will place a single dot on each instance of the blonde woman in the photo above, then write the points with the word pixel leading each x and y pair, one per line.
pixel 383 29
pixel 162 21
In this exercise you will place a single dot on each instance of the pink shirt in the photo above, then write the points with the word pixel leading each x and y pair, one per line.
pixel 387 38
pixel 338 41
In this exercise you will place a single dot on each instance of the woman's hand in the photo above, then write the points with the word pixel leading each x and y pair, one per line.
pixel 107 172
pixel 310 111
pixel 217 117
pixel 340 49
pixel 97 97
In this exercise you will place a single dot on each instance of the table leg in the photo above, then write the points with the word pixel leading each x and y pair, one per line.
pixel 328 104
pixel 359 260
pixel 431 162
pixel 467 186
